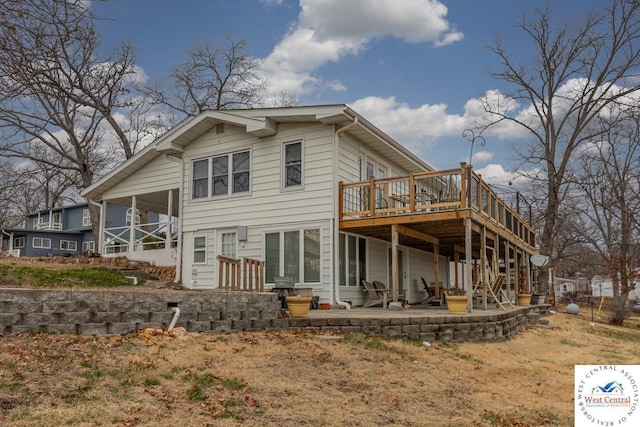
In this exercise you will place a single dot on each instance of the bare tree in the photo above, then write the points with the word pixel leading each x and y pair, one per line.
pixel 576 74
pixel 214 77
pixel 58 100
pixel 608 177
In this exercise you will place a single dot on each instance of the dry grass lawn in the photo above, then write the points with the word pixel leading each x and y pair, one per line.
pixel 301 378
pixel 293 378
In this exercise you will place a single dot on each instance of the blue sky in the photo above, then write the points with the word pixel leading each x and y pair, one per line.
pixel 411 67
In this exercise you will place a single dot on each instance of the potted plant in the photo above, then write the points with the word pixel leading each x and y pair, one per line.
pixel 298 305
pixel 523 297
pixel 457 300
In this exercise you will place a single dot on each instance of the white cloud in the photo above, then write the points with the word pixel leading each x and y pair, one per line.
pixel 479 157
pixel 417 21
pixel 337 86
pixel 410 126
pixel 495 174
pixel 328 30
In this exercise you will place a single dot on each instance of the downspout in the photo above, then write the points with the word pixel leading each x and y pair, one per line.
pixel 178 276
pixel 336 226
pixel 100 226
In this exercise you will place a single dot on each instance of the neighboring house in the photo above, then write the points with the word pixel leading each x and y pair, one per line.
pixel 63 231
pixel 603 286
pixel 318 193
pixel 569 288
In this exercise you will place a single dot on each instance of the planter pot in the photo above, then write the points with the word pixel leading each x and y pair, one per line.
pixel 457 304
pixel 524 299
pixel 298 306
pixel 324 306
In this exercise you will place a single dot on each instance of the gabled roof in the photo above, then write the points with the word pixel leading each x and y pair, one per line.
pixel 260 122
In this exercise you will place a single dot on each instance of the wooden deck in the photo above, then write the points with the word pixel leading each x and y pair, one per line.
pixel 430 208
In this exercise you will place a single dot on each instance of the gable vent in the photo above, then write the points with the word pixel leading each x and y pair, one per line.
pixel 219 128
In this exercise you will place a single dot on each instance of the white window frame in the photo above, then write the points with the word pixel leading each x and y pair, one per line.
pixel 68 245
pixel 224 244
pixel 284 166
pixel 19 242
pixel 380 170
pixel 344 258
pixel 301 260
pixel 44 243
pixel 86 218
pixel 199 249
pixel 88 246
pixel 230 175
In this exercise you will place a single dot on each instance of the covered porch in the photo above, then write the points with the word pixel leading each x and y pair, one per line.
pixel 451 213
pixel 150 232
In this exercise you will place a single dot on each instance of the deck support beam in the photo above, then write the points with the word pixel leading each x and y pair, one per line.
pixel 469 263
pixel 394 261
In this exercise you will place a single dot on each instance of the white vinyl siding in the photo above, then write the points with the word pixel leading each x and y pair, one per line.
pixel 159 174
pixel 41 243
pixel 275 206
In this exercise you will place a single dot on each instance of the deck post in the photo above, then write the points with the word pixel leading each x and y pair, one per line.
pixel 412 193
pixel 394 261
pixel 485 266
pixel 436 263
pixel 468 255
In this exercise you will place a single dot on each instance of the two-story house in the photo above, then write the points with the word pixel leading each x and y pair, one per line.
pixel 318 193
pixel 66 231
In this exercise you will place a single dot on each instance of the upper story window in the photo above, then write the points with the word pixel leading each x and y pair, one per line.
pixel 86 218
pixel 221 175
pixel 292 164
pixel 373 169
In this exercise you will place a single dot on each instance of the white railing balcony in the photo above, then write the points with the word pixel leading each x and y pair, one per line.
pixel 57 226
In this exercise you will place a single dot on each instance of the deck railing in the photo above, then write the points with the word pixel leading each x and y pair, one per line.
pixel 431 193
pixel 249 278
pixel 152 235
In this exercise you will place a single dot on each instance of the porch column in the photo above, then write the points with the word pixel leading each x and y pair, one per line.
pixel 468 256
pixel 132 226
pixel 167 239
pixel 102 225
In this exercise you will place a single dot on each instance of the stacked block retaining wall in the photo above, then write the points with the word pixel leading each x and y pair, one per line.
pixel 106 312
